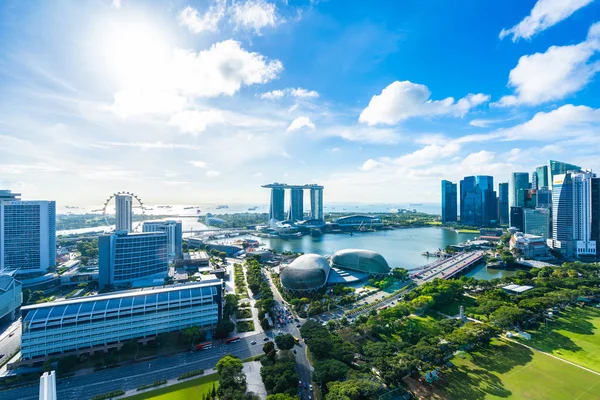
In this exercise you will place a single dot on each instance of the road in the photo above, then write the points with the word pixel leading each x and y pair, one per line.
pixel 133 376
pixel 9 344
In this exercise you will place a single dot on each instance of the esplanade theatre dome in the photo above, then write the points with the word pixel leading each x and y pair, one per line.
pixel 306 273
pixel 365 261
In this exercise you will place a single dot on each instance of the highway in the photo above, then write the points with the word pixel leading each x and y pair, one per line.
pixel 10 338
pixel 449 267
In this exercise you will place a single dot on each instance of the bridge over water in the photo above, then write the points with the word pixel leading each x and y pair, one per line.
pixel 449 267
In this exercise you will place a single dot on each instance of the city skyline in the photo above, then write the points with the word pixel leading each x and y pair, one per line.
pixel 133 96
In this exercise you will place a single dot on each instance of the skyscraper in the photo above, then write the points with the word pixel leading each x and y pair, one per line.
pixel 518 181
pixel 174 231
pixel 503 202
pixel 559 168
pixel 537 222
pixel 467 184
pixel 276 211
pixel 544 198
pixel 542 177
pixel 534 180
pixel 489 209
pixel 596 213
pixel 297 204
pixel 449 202
pixel 478 201
pixel 126 258
pixel 517 218
pixel 27 234
pixel 572 214
pixel 316 202
pixel 124 212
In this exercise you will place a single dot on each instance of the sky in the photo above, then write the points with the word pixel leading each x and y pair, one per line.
pixel 191 102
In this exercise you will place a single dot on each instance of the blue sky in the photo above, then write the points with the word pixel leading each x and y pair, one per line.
pixel 204 101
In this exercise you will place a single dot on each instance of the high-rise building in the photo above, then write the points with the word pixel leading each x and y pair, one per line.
pixel 534 180
pixel 11 294
pixel 27 234
pixel 124 212
pixel 87 324
pixel 503 202
pixel 572 214
pixel 517 218
pixel 174 231
pixel 542 177
pixel 559 168
pixel 478 204
pixel 316 202
pixel 537 222
pixel 518 181
pixel 449 202
pixel 125 259
pixel 297 204
pixel 544 198
pixel 596 213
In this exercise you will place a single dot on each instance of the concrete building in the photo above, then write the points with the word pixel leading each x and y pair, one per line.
pixel 296 210
pixel 531 246
pixel 517 218
pixel 93 323
pixel 316 202
pixel 11 296
pixel 449 202
pixel 572 214
pixel 503 216
pixel 518 181
pixel 596 213
pixel 48 386
pixel 27 234
pixel 537 222
pixel 124 258
pixel 124 212
pixel 559 168
pixel 174 231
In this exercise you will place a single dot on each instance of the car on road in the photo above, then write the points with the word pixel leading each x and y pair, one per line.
pixel 295 351
pixel 304 385
pixel 298 325
pixel 300 384
pixel 11 334
pixel 253 342
pixel 310 387
pixel 266 339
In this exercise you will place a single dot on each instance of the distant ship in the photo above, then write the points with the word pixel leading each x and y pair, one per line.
pixel 219 207
pixel 252 208
pixel 99 210
pixel 190 207
pixel 164 206
pixel 415 204
pixel 71 207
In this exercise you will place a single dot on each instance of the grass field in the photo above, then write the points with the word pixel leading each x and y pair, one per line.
pixel 192 389
pixel 507 370
pixel 452 308
pixel 573 335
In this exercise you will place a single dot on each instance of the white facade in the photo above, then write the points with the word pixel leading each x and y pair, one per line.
pixel 174 232
pixel 27 234
pixel 48 386
pixel 531 246
pixel 96 321
pixel 11 296
pixel 124 212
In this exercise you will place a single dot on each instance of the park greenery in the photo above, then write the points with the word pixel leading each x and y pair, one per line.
pixel 232 380
pixel 278 369
pixel 383 349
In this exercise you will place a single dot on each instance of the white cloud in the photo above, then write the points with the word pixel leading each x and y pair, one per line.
pixel 545 13
pixel 366 135
pixel 212 174
pixel 297 93
pixel 196 121
pixel 478 159
pixel 200 164
pixel 555 74
pixel 428 154
pixel 209 22
pixel 299 123
pixel 138 102
pixel 370 165
pixel 149 145
pixel 257 174
pixel 254 15
pixel 116 4
pixel 403 100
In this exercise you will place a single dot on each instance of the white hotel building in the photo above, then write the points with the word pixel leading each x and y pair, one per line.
pixel 94 323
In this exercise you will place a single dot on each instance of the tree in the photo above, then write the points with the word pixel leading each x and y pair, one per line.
pixel 231 305
pixel 213 392
pixel 224 328
pixel 507 316
pixel 280 376
pixel 329 370
pixel 352 389
pixel 232 381
pixel 400 273
pixel 285 341
pixel 67 363
pixel 281 396
pixel 269 349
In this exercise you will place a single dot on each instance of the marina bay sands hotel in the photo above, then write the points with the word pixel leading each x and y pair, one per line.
pixel 296 211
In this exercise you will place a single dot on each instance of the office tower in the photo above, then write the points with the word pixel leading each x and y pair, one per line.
pixel 85 325
pixel 449 202
pixel 11 294
pixel 503 203
pixel 572 214
pixel 174 232
pixel 277 203
pixel 537 222
pixel 517 218
pixel 125 259
pixel 478 201
pixel 124 212
pixel 534 180
pixel 559 168
pixel 316 202
pixel 297 204
pixel 542 177
pixel 596 213
pixel 518 181
pixel 544 198
pixel 27 234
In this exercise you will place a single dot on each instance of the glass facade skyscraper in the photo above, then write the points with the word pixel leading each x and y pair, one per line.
pixel 517 218
pixel 27 234
pixel 542 177
pixel 537 222
pixel 503 202
pixel 449 202
pixel 297 204
pixel 478 203
pixel 596 213
pixel 174 231
pixel 559 168
pixel 518 181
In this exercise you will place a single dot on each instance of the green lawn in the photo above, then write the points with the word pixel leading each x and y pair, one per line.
pixel 573 335
pixel 192 389
pixel 507 370
pixel 452 308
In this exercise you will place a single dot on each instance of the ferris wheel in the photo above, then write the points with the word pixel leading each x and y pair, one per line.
pixel 110 211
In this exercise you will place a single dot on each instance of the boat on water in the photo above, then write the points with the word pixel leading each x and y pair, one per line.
pixel 296 235
pixel 99 210
pixel 221 206
pixel 252 208
pixel 164 206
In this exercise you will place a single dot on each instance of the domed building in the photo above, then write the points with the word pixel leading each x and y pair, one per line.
pixel 365 261
pixel 306 273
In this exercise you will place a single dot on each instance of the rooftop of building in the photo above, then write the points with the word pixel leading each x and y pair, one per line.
pixel 517 288
pixel 277 185
pixel 129 293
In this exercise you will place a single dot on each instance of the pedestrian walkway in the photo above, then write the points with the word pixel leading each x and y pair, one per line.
pixel 170 382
